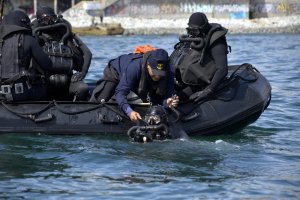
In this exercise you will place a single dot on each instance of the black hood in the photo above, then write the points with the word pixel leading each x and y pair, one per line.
pixel 198 19
pixel 44 11
pixel 8 29
pixel 17 18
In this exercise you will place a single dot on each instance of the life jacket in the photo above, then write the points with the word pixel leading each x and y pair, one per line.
pixel 13 62
pixel 191 60
pixel 143 49
pixel 61 46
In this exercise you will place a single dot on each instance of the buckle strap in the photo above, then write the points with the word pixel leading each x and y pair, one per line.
pixel 7 89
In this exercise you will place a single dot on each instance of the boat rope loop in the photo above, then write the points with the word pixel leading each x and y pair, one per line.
pixel 248 73
pixel 251 70
pixel 69 112
pixel 116 111
pixel 34 115
pixel 30 115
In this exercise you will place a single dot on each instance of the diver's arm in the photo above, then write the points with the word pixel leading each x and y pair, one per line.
pixel 37 52
pixel 169 99
pixel 219 54
pixel 87 55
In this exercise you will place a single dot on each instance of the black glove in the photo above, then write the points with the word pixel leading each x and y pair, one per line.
pixel 198 96
pixel 77 77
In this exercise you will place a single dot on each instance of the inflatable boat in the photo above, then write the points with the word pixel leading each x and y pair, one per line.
pixel 238 102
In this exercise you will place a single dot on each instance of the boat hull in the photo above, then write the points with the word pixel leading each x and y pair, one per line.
pixel 237 104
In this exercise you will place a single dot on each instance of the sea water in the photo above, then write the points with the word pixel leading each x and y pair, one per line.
pixel 260 162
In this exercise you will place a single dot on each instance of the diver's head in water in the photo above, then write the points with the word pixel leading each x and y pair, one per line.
pixel 156 115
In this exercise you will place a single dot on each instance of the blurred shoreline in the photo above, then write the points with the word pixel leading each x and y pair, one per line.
pixel 286 24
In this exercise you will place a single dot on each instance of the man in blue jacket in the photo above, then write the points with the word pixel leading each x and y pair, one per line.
pixel 148 75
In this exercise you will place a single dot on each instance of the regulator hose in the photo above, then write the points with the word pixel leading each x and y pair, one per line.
pixel 43 28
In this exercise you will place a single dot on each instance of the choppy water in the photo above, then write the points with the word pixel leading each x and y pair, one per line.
pixel 260 162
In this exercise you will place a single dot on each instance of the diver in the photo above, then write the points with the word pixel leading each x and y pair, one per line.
pixel 200 59
pixel 19 80
pixel 155 127
pixel 148 75
pixel 67 52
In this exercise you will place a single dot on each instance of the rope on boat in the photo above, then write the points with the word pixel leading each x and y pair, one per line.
pixel 90 109
pixel 68 112
pixel 179 114
pixel 28 115
pixel 247 66
pixel 233 77
pixel 33 115
pixel 116 111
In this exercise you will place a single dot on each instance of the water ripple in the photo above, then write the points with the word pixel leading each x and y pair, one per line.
pixel 260 162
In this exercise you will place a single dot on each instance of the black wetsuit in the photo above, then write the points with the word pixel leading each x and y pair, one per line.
pixel 33 84
pixel 217 52
pixel 81 58
pixel 33 49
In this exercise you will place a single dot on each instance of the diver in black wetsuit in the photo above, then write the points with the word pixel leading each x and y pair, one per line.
pixel 68 53
pixel 19 81
pixel 200 58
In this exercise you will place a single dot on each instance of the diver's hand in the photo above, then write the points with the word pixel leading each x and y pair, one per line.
pixel 173 102
pixel 198 96
pixel 77 77
pixel 135 116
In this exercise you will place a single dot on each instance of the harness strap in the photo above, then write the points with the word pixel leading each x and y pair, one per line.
pixel 143 82
pixel 1 46
pixel 16 77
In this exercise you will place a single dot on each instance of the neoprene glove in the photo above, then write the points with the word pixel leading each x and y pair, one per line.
pixel 198 96
pixel 77 77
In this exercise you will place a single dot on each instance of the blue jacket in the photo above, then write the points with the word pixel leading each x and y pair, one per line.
pixel 129 69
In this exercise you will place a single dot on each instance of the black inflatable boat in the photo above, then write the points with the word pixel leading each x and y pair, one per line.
pixel 238 102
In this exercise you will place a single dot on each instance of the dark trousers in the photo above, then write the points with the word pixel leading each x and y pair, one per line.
pixel 74 91
pixel 106 86
pixel 79 91
pixel 105 90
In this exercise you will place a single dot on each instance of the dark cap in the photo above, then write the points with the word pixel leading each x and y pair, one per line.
pixel 159 62
pixel 197 19
pixel 18 18
pixel 43 11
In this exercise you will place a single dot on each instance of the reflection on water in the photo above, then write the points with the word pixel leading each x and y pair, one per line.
pixel 260 162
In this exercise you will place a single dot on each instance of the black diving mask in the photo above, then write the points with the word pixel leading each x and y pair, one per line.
pixel 196 31
pixel 152 119
pixel 156 115
pixel 49 19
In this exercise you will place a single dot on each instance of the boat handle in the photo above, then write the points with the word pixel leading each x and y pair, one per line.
pixel 190 117
pixel 43 119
